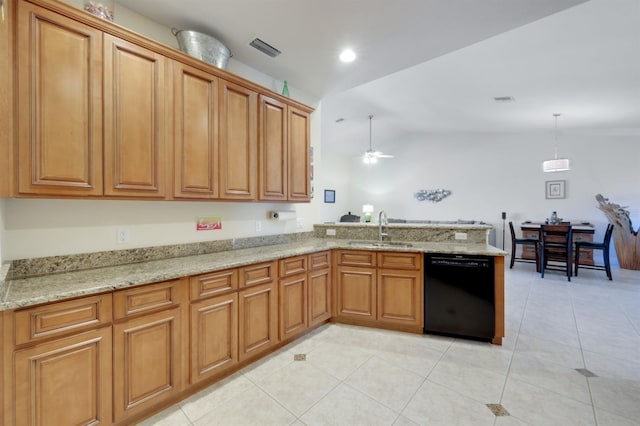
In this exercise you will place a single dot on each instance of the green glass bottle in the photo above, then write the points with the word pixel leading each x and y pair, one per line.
pixel 285 89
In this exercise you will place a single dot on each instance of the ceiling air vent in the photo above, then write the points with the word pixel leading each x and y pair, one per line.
pixel 501 99
pixel 265 48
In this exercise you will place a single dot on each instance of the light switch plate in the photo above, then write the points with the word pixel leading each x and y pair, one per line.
pixel 123 235
pixel 258 226
pixel 461 236
pixel 331 232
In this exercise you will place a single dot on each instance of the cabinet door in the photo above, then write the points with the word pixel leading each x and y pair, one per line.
pixel 319 296
pixel 196 133
pixel 356 296
pixel 214 336
pixel 299 184
pixel 258 319
pixel 238 142
pixel 293 306
pixel 134 120
pixel 147 362
pixel 65 382
pixel 59 104
pixel 400 297
pixel 273 149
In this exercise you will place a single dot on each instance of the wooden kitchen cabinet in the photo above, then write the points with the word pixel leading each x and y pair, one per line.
pixel 258 319
pixel 356 292
pixel 238 142
pixel 400 297
pixel 293 305
pixel 299 168
pixel 134 120
pixel 319 289
pixel 273 150
pixel 195 132
pixel 148 347
pixel 214 336
pixel 59 104
pixel 65 381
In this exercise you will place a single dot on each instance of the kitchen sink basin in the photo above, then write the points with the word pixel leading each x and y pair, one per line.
pixel 389 244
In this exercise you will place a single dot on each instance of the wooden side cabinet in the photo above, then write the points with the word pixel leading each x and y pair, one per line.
pixel 293 305
pixel 319 289
pixel 59 104
pixel 258 319
pixel 299 169
pixel 356 292
pixel 65 382
pixel 400 297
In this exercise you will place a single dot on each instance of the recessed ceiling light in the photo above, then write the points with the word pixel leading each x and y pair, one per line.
pixel 348 55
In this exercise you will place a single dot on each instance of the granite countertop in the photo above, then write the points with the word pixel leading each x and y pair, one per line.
pixel 24 292
pixel 412 224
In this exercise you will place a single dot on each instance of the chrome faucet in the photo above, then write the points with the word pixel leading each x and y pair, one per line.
pixel 380 223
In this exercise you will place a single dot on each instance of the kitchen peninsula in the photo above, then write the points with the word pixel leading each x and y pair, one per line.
pixel 169 317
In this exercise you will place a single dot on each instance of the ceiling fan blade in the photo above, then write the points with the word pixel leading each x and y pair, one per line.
pixel 381 155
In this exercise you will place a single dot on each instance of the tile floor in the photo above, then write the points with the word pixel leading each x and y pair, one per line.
pixel 557 334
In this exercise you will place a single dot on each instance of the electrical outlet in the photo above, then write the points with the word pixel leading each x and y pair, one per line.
pixel 122 235
pixel 258 226
pixel 299 223
pixel 461 236
pixel 331 232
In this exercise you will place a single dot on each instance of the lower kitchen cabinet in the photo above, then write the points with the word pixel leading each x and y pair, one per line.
pixel 319 306
pixel 214 336
pixel 400 297
pixel 293 305
pixel 258 319
pixel 148 346
pixel 65 382
pixel 356 292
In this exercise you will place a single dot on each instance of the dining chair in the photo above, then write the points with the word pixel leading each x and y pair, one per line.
pixel 515 242
pixel 556 246
pixel 604 246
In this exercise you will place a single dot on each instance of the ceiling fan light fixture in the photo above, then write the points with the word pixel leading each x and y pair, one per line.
pixel 371 156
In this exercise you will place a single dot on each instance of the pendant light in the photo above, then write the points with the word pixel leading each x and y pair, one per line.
pixel 557 164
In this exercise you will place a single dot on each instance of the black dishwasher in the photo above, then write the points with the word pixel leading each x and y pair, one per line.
pixel 459 295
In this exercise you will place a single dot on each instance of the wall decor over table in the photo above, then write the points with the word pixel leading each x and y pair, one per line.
pixel 555 189
pixel 434 195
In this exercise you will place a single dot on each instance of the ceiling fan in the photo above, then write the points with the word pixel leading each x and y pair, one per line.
pixel 371 156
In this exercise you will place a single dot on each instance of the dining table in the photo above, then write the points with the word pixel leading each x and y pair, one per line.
pixel 582 231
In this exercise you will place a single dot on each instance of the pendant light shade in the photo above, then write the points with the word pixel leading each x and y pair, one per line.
pixel 557 164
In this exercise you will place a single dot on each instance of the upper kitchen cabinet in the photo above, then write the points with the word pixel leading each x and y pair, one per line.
pixel 195 132
pixel 238 142
pixel 283 152
pixel 299 146
pixel 134 120
pixel 59 100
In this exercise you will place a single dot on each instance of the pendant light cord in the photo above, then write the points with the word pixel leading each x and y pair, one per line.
pixel 556 115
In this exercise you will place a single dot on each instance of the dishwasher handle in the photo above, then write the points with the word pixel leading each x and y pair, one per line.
pixel 459 262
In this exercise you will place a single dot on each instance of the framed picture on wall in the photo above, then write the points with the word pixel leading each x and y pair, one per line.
pixel 555 189
pixel 329 196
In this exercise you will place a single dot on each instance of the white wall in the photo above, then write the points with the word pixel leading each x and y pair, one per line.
pixel 492 173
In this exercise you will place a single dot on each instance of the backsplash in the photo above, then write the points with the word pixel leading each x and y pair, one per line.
pixel 475 233
pixel 22 268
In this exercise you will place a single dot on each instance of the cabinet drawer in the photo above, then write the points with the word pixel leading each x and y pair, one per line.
pixel 356 258
pixel 292 266
pixel 319 260
pixel 146 298
pixel 213 284
pixel 60 318
pixel 396 260
pixel 260 273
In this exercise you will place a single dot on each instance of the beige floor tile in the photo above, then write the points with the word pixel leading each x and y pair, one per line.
pixel 338 360
pixel 621 347
pixel 549 351
pixel 219 394
pixel 539 406
pixel 480 354
pixel 403 421
pixel 618 396
pixel 171 417
pixel 548 375
pixel 268 365
pixel 435 405
pixel 298 386
pixel 613 368
pixel 347 406
pixel 606 418
pixel 253 407
pixel 483 385
pixel 386 383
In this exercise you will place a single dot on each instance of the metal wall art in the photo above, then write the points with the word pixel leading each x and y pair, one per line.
pixel 435 195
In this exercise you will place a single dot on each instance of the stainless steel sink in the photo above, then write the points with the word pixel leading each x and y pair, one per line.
pixel 390 244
